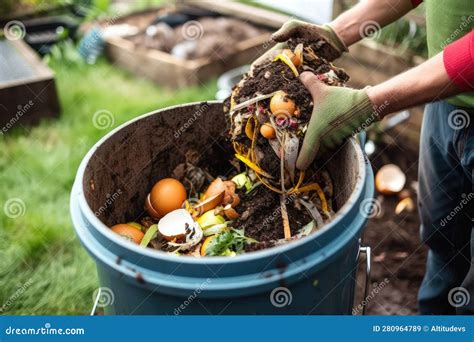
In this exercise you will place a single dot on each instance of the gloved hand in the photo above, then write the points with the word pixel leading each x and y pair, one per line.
pixel 300 29
pixel 297 28
pixel 338 112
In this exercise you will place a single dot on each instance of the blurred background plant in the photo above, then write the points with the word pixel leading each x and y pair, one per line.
pixel 405 36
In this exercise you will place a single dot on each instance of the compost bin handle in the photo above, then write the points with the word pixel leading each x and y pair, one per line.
pixel 368 262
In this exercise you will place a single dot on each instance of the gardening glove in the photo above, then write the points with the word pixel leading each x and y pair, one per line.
pixel 338 112
pixel 300 29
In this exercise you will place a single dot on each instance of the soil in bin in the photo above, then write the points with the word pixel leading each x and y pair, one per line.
pixel 262 220
pixel 398 256
pixel 260 209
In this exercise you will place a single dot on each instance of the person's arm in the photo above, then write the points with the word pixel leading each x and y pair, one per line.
pixel 351 26
pixel 368 16
pixel 446 74
pixel 339 112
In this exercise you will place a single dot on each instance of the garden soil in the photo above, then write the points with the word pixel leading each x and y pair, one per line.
pixel 398 256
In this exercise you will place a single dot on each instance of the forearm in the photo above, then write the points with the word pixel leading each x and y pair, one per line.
pixel 449 73
pixel 366 16
pixel 425 83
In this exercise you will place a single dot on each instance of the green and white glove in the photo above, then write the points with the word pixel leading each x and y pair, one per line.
pixel 338 113
pixel 300 29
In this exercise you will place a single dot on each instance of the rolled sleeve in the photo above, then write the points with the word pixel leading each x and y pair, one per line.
pixel 458 60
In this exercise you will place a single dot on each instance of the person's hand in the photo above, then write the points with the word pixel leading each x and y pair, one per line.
pixel 296 28
pixel 300 29
pixel 338 112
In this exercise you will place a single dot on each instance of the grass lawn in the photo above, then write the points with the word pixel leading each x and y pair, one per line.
pixel 43 267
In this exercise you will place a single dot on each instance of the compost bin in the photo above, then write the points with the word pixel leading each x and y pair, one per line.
pixel 312 275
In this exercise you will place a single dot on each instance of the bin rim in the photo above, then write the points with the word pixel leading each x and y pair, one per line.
pixel 106 232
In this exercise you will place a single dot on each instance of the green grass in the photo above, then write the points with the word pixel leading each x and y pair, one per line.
pixel 43 267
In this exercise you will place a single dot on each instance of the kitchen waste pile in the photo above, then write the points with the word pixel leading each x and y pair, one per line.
pixel 266 201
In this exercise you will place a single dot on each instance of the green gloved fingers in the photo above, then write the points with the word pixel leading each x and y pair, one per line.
pixel 338 112
pixel 297 28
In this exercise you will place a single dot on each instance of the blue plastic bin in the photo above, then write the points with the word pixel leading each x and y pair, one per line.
pixel 314 275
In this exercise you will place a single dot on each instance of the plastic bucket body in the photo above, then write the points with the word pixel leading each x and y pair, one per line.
pixel 313 275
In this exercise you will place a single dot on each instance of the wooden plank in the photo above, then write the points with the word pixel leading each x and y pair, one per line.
pixel 242 11
pixel 167 70
pixel 27 100
pixel 40 70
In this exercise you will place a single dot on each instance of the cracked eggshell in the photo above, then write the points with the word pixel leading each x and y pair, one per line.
pixel 215 188
pixel 175 224
pixel 390 179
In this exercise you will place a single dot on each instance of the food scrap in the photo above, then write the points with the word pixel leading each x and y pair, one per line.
pixel 390 179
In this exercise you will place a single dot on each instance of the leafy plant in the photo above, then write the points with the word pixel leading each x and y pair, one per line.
pixel 227 243
pixel 406 36
pixel 64 52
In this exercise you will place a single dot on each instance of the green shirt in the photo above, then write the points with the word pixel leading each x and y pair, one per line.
pixel 446 22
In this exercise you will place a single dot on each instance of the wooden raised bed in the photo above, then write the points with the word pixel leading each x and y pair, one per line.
pixel 167 70
pixel 27 87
